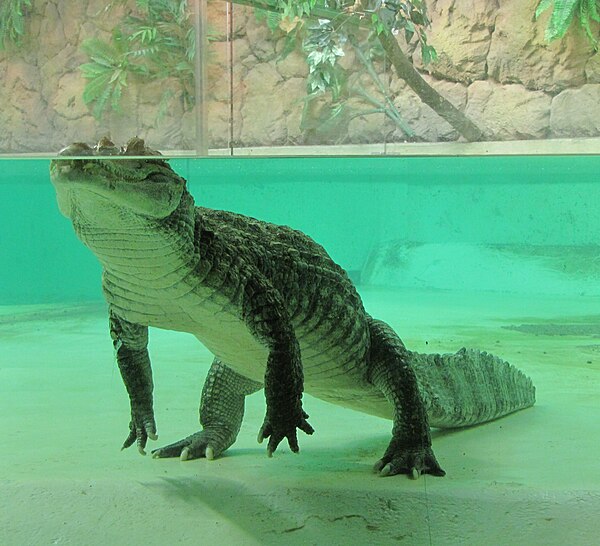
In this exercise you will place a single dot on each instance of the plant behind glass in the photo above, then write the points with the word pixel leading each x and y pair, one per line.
pixel 564 12
pixel 12 21
pixel 155 41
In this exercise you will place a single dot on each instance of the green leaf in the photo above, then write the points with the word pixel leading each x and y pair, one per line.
pixel 116 96
pixel 273 20
pixel 260 14
pixel 593 10
pixel 96 87
pixel 101 52
pixel 291 41
pixel 12 21
pixel 417 17
pixel 182 66
pixel 101 102
pixel 428 53
pixel 542 6
pixel 585 18
pixel 91 70
pixel 115 75
pixel 561 18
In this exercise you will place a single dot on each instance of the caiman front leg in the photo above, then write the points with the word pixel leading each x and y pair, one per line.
pixel 222 403
pixel 410 450
pixel 130 341
pixel 267 319
pixel 221 415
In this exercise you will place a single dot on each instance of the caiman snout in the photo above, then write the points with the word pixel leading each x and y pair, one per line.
pixel 105 176
pixel 77 148
pixel 105 147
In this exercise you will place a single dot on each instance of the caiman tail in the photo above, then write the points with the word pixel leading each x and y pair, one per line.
pixel 469 387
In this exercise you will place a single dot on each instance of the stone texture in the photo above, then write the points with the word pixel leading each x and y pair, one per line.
pixel 519 53
pixel 52 29
pixel 216 19
pixel 509 111
pixel 241 51
pixel 293 66
pixel 217 22
pixel 261 40
pixel 68 59
pixel 427 125
pixel 366 129
pixel 592 69
pixel 68 101
pixel 461 32
pixel 263 110
pixel 576 112
pixel 218 124
pixel 292 89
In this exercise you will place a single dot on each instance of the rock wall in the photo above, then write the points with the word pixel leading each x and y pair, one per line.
pixel 493 64
pixel 518 86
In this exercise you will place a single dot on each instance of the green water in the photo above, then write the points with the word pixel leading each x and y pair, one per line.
pixel 352 206
pixel 495 253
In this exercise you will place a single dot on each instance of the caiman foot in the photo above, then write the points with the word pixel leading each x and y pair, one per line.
pixel 141 427
pixel 205 443
pixel 411 461
pixel 278 429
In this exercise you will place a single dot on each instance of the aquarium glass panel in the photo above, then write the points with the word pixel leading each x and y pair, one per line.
pixel 79 71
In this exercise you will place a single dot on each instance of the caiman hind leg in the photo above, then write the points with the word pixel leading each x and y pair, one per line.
pixel 221 414
pixel 410 451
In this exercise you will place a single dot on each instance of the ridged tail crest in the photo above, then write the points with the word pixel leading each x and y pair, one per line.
pixel 469 387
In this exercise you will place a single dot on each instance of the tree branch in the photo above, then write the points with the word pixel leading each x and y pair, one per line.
pixel 444 108
pixel 404 68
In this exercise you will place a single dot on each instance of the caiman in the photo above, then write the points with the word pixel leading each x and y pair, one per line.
pixel 271 306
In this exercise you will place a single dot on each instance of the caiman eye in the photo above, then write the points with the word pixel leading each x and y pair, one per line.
pixel 105 146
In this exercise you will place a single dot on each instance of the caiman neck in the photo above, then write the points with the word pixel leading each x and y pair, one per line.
pixel 146 248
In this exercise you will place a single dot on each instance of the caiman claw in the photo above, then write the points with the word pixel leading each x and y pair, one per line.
pixel 140 429
pixel 276 431
pixel 414 462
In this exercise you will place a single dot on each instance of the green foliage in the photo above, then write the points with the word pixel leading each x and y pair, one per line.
pixel 295 8
pixel 12 21
pixel 563 14
pixel 106 72
pixel 323 47
pixel 328 108
pixel 155 41
pixel 271 18
pixel 408 17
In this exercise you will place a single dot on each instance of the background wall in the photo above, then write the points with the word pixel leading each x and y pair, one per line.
pixel 493 64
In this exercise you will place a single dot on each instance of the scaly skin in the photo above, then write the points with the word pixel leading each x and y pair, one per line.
pixel 272 307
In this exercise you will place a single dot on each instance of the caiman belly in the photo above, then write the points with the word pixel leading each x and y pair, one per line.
pixel 333 368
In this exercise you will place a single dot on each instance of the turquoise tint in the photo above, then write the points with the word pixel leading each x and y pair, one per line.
pixel 494 253
pixel 352 206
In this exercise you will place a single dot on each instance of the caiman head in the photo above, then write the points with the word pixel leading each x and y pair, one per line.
pixel 115 192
